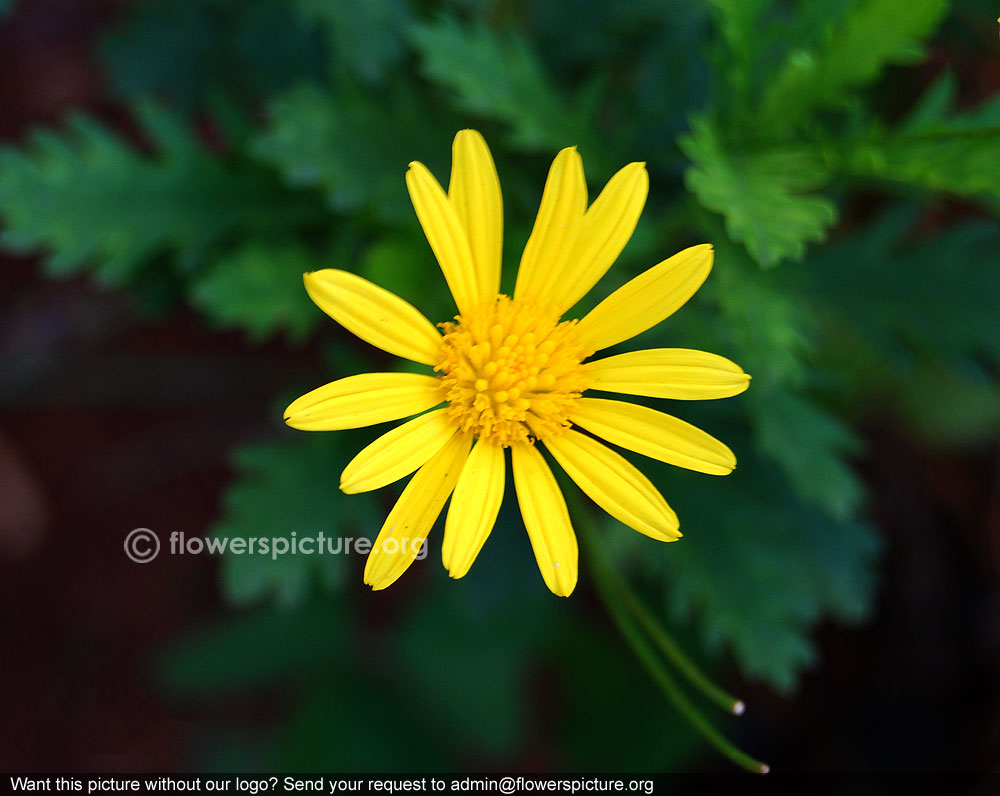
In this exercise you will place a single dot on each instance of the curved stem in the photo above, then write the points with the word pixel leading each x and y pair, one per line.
pixel 604 579
pixel 668 646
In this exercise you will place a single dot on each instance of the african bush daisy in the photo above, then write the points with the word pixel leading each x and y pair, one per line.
pixel 508 373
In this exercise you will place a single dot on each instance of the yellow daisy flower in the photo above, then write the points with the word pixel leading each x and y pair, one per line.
pixel 509 373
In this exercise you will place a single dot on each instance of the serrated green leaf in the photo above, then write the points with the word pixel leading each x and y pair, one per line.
pixel 258 288
pixel 872 34
pixel 353 146
pixel 91 200
pixel 936 147
pixel 765 197
pixel 498 76
pixel 285 488
pixel 811 446
pixel 757 568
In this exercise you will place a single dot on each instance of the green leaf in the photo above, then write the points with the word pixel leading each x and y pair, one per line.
pixel 286 488
pixel 757 568
pixel 354 146
pixel 365 37
pixel 498 76
pixel 871 35
pixel 811 446
pixel 937 147
pixel 258 287
pixel 92 200
pixel 764 197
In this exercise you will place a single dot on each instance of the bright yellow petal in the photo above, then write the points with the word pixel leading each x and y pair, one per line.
pixel 678 373
pixel 615 485
pixel 398 453
pixel 475 195
pixel 405 529
pixel 557 226
pixel 607 227
pixel 364 400
pixel 646 300
pixel 446 236
pixel 474 507
pixel 374 314
pixel 654 434
pixel 546 519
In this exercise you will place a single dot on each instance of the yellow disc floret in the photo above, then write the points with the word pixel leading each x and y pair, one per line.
pixel 511 372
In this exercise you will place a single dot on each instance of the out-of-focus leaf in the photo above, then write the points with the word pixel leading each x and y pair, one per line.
pixel 757 567
pixel 259 289
pixel 937 147
pixel 7 7
pixel 765 197
pixel 190 52
pixel 90 200
pixel 366 37
pixel 356 147
pixel 811 446
pixel 284 489
pixel 498 76
pixel 264 648
pixel 871 35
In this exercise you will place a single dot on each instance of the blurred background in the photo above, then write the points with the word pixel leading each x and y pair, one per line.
pixel 170 168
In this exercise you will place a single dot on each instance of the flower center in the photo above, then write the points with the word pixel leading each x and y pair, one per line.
pixel 511 371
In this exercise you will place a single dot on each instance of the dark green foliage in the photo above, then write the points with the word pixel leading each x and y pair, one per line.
pixel 91 200
pixel 257 288
pixel 764 196
pixel 286 488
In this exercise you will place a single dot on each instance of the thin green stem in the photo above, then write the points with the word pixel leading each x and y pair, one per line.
pixel 668 646
pixel 604 580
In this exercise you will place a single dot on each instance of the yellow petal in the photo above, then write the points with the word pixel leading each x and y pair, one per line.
pixel 607 227
pixel 646 300
pixel 678 373
pixel 364 400
pixel 405 529
pixel 615 485
pixel 374 314
pixel 654 434
pixel 474 508
pixel 557 225
pixel 398 453
pixel 474 193
pixel 446 236
pixel 546 519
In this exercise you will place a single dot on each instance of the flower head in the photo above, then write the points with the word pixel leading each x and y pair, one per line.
pixel 510 373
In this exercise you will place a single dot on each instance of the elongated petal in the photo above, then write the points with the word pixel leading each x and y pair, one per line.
pixel 446 236
pixel 607 226
pixel 646 300
pixel 679 373
pixel 474 508
pixel 654 434
pixel 364 400
pixel 405 529
pixel 475 195
pixel 557 225
pixel 398 453
pixel 546 519
pixel 374 314
pixel 615 485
